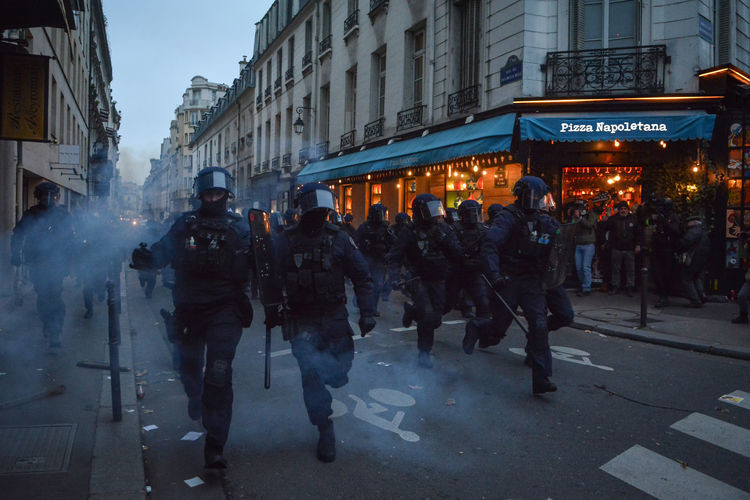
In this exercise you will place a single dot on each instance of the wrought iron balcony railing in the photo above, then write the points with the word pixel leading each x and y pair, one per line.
pixel 304 155
pixel 286 163
pixel 626 70
pixel 259 101
pixel 347 140
pixel 463 100
pixel 307 61
pixel 257 168
pixel 325 45
pixel 275 163
pixel 321 149
pixel 376 5
pixel 277 85
pixel 289 75
pixel 374 129
pixel 351 22
pixel 264 166
pixel 411 117
pixel 267 93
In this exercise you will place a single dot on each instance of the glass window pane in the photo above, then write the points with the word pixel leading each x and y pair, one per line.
pixel 592 21
pixel 621 23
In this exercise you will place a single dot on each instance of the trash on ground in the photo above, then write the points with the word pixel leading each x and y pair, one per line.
pixel 131 411
pixel 460 452
pixel 148 411
pixel 151 427
pixel 191 436
pixel 144 447
pixel 2 373
pixel 729 398
pixel 587 331
pixel 140 373
pixel 148 489
pixel 416 387
pixel 141 382
pixel 171 379
pixel 194 481
pixel 450 402
pixel 383 363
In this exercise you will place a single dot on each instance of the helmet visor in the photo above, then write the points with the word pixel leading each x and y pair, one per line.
pixel 547 203
pixel 318 198
pixel 213 180
pixel 470 215
pixel 432 209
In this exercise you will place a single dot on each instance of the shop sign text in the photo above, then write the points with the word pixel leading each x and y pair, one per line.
pixel 612 128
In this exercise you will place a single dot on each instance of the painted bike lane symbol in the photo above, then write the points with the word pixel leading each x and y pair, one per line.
pixel 369 412
pixel 569 354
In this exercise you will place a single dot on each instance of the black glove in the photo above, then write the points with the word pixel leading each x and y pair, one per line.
pixel 500 282
pixel 273 316
pixel 142 258
pixel 366 324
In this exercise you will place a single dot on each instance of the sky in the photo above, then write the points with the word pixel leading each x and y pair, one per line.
pixel 156 47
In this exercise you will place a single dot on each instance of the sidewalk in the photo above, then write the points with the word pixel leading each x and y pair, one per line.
pixel 707 329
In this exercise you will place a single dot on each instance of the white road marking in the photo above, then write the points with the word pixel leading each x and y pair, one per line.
pixel 715 431
pixel 567 354
pixel 666 478
pixel 454 322
pixel 743 403
pixel 368 412
pixel 392 397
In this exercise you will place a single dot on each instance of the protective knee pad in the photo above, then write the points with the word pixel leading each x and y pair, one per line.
pixel 218 373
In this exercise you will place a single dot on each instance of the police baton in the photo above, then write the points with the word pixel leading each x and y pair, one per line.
pixel 511 311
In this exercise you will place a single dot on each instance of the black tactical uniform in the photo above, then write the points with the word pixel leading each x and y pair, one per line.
pixel 313 257
pixel 348 227
pixel 210 252
pixel 375 239
pixel 96 253
pixel 663 229
pixel 426 249
pixel 42 240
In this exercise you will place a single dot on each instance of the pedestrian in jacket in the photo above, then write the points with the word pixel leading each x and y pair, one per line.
pixel 625 241
pixel 585 245
pixel 695 248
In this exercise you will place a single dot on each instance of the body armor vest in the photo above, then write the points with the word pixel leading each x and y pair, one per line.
pixel 375 241
pixel 471 239
pixel 431 260
pixel 314 279
pixel 529 246
pixel 212 249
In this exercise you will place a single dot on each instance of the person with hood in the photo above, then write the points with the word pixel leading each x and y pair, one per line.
pixel 694 251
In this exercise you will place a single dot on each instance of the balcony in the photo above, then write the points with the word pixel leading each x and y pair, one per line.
pixel 409 118
pixel 277 86
pixel 286 163
pixel 324 47
pixel 376 6
pixel 347 140
pixel 463 100
pixel 374 129
pixel 267 93
pixel 289 76
pixel 264 166
pixel 304 155
pixel 307 62
pixel 275 163
pixel 626 70
pixel 259 101
pixel 351 23
pixel 257 168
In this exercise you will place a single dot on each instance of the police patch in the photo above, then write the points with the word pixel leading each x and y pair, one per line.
pixel 298 260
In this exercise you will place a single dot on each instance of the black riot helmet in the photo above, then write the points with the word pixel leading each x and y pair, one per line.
pixel 314 196
pixel 470 212
pixel 378 214
pixel 451 215
pixel 290 216
pixel 335 218
pixel 47 193
pixel 277 222
pixel 426 207
pixel 403 218
pixel 213 178
pixel 533 194
pixel 348 218
pixel 493 211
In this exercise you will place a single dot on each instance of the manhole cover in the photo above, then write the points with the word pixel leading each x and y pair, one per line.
pixel 609 314
pixel 36 448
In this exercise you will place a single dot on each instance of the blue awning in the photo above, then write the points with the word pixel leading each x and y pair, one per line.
pixel 624 126
pixel 487 136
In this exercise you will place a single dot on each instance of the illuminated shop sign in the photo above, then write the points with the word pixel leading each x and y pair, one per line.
pixel 602 170
pixel 613 128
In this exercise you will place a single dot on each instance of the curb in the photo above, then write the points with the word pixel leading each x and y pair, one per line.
pixel 645 335
pixel 117 464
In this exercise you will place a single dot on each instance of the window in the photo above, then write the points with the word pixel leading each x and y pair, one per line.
pixel 471 23
pixel 348 199
pixel 326 19
pixel 193 117
pixel 351 7
pixel 268 74
pixel 308 36
pixel 350 105
pixel 290 52
pixel 376 193
pixel 602 24
pixel 418 92
pixel 381 86
pixel 279 58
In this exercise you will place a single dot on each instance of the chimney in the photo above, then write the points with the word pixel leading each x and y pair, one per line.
pixel 243 63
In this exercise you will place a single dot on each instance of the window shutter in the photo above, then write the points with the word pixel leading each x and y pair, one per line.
pixel 723 25
pixel 576 24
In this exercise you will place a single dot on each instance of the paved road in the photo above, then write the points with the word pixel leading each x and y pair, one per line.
pixel 629 420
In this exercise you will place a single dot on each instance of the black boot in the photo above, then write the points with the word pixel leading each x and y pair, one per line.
pixel 543 385
pixel 741 319
pixel 408 315
pixel 470 337
pixel 214 456
pixel 326 442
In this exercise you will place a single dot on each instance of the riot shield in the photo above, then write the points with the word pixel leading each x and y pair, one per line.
pixel 560 256
pixel 262 244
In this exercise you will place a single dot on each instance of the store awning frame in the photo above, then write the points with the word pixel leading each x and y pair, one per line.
pixel 487 136
pixel 679 125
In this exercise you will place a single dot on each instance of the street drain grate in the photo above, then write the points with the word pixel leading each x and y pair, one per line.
pixel 36 448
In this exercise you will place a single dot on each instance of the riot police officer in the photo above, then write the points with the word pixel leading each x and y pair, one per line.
pixel 348 227
pixel 663 230
pixel 492 212
pixel 514 257
pixel 313 257
pixel 375 239
pixel 277 222
pixel 402 221
pixel 426 249
pixel 210 252
pixel 42 240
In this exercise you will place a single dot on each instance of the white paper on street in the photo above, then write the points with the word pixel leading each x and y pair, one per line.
pixel 151 427
pixel 191 436
pixel 194 481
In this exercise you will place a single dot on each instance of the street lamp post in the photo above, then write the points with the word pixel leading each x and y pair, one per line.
pixel 299 125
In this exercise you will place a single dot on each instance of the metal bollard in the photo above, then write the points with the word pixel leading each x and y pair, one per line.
pixel 114 352
pixel 644 296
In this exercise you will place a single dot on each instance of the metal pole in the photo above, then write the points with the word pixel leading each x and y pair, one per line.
pixel 19 180
pixel 114 353
pixel 644 296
